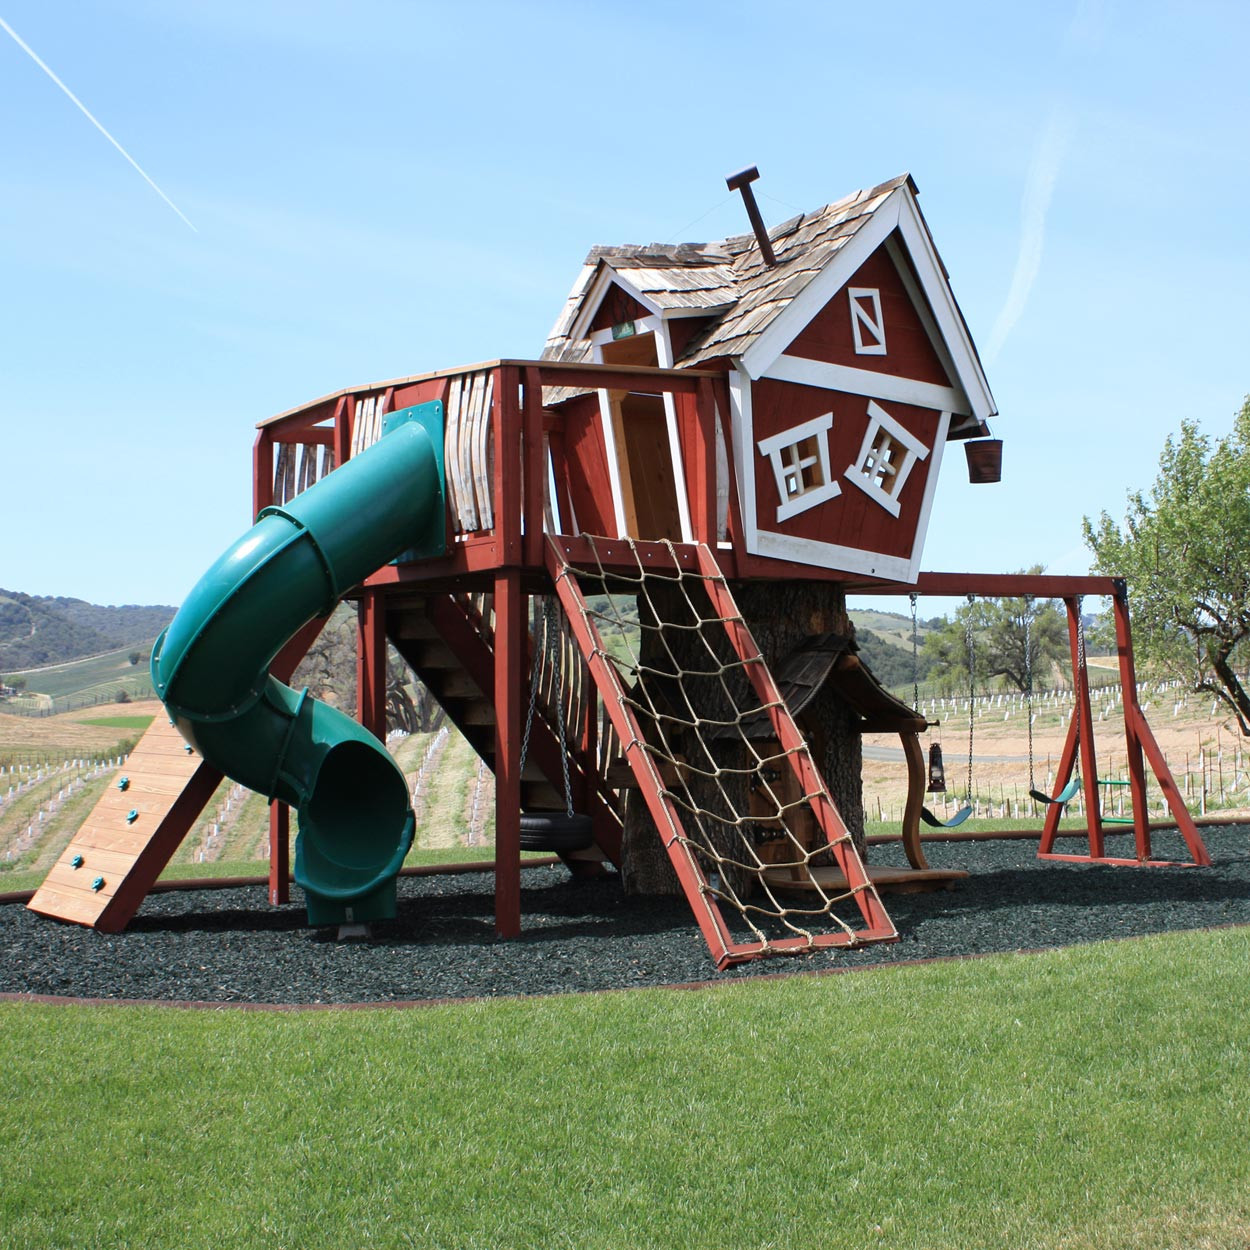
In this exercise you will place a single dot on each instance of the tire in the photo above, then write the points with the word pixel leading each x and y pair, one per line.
pixel 555 831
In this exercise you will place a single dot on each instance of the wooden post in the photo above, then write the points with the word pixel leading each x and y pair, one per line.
pixel 279 853
pixel 344 417
pixel 262 472
pixel 533 465
pixel 371 664
pixel 1083 716
pixel 510 634
pixel 1132 735
pixel 506 420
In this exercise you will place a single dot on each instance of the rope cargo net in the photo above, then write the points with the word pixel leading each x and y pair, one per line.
pixel 713 748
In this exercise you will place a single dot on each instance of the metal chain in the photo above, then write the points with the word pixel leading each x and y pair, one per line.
pixel 558 660
pixel 1028 678
pixel 1080 675
pixel 535 673
pixel 915 657
pixel 972 693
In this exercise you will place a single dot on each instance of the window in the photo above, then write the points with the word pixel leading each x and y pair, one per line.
pixel 867 321
pixel 800 462
pixel 885 459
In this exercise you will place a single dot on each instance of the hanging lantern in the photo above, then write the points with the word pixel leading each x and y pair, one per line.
pixel 937 772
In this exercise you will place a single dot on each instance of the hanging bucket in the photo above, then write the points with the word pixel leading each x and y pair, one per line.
pixel 985 460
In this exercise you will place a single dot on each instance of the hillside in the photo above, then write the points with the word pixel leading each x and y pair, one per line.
pixel 39 629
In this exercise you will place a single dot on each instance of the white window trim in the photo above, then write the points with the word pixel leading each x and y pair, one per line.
pixel 879 419
pixel 861 319
pixel 869 383
pixel 772 447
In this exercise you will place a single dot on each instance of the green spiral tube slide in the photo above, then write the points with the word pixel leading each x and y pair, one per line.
pixel 211 666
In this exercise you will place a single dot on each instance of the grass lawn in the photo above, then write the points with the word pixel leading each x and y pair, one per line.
pixel 140 723
pixel 1094 1097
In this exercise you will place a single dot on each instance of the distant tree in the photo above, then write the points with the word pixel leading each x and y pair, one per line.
pixel 121 697
pixel 134 658
pixel 1000 629
pixel 891 664
pixel 1183 551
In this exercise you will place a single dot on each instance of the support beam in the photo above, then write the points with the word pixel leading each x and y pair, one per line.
pixel 279 853
pixel 510 634
pixel 371 664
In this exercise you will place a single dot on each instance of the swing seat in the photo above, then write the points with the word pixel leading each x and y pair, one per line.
pixel 957 819
pixel 555 831
pixel 1066 795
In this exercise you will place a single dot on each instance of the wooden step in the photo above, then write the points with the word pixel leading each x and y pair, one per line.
pixel 457 684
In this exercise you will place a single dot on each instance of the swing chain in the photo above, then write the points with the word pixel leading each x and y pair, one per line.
pixel 1081 676
pixel 1028 678
pixel 915 656
pixel 972 694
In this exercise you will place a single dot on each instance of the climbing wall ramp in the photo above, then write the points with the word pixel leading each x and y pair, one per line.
pixel 130 835
pixel 685 686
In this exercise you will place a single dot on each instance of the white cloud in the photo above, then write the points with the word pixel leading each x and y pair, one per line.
pixel 1039 188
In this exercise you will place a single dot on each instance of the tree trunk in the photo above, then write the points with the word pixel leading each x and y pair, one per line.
pixel 781 616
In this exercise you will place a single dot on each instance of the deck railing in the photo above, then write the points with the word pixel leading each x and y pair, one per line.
pixel 504 448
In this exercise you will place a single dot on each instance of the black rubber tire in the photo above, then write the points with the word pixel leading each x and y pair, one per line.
pixel 555 831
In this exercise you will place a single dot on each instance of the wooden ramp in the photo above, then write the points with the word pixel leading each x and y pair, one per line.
pixel 117 854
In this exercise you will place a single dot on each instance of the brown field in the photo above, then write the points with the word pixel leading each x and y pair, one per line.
pixel 1203 748
pixel 69 734
pixel 455 804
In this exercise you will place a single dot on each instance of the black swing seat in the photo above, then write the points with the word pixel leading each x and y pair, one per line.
pixel 957 819
pixel 1066 795
pixel 555 831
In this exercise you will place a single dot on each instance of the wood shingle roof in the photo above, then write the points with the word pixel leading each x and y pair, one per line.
pixel 729 279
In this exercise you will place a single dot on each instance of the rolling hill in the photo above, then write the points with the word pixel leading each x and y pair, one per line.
pixel 36 630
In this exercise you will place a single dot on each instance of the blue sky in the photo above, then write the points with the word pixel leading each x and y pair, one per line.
pixel 360 191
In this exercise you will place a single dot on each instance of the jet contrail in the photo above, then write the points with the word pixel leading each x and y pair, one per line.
pixel 1038 188
pixel 30 52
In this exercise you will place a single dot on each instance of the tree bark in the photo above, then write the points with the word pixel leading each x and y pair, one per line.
pixel 781 616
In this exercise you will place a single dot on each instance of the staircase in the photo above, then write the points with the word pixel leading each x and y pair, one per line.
pixel 448 642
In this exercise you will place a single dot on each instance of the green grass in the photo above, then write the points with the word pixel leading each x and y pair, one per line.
pixel 140 723
pixel 1097 1097
pixel 97 676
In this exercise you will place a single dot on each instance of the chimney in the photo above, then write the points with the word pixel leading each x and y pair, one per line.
pixel 741 181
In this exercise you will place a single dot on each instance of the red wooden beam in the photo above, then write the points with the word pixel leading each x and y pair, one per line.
pixel 996 585
pixel 371 664
pixel 510 635
pixel 344 419
pixel 279 853
pixel 1083 714
pixel 262 472
pixel 621 377
pixel 506 486
pixel 1132 731
pixel 532 466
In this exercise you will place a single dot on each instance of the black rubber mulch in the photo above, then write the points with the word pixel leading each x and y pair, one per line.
pixel 229 946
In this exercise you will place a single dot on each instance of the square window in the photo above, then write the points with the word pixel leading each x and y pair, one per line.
pixel 800 463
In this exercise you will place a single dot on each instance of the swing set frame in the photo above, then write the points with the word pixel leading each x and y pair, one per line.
pixel 1079 753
